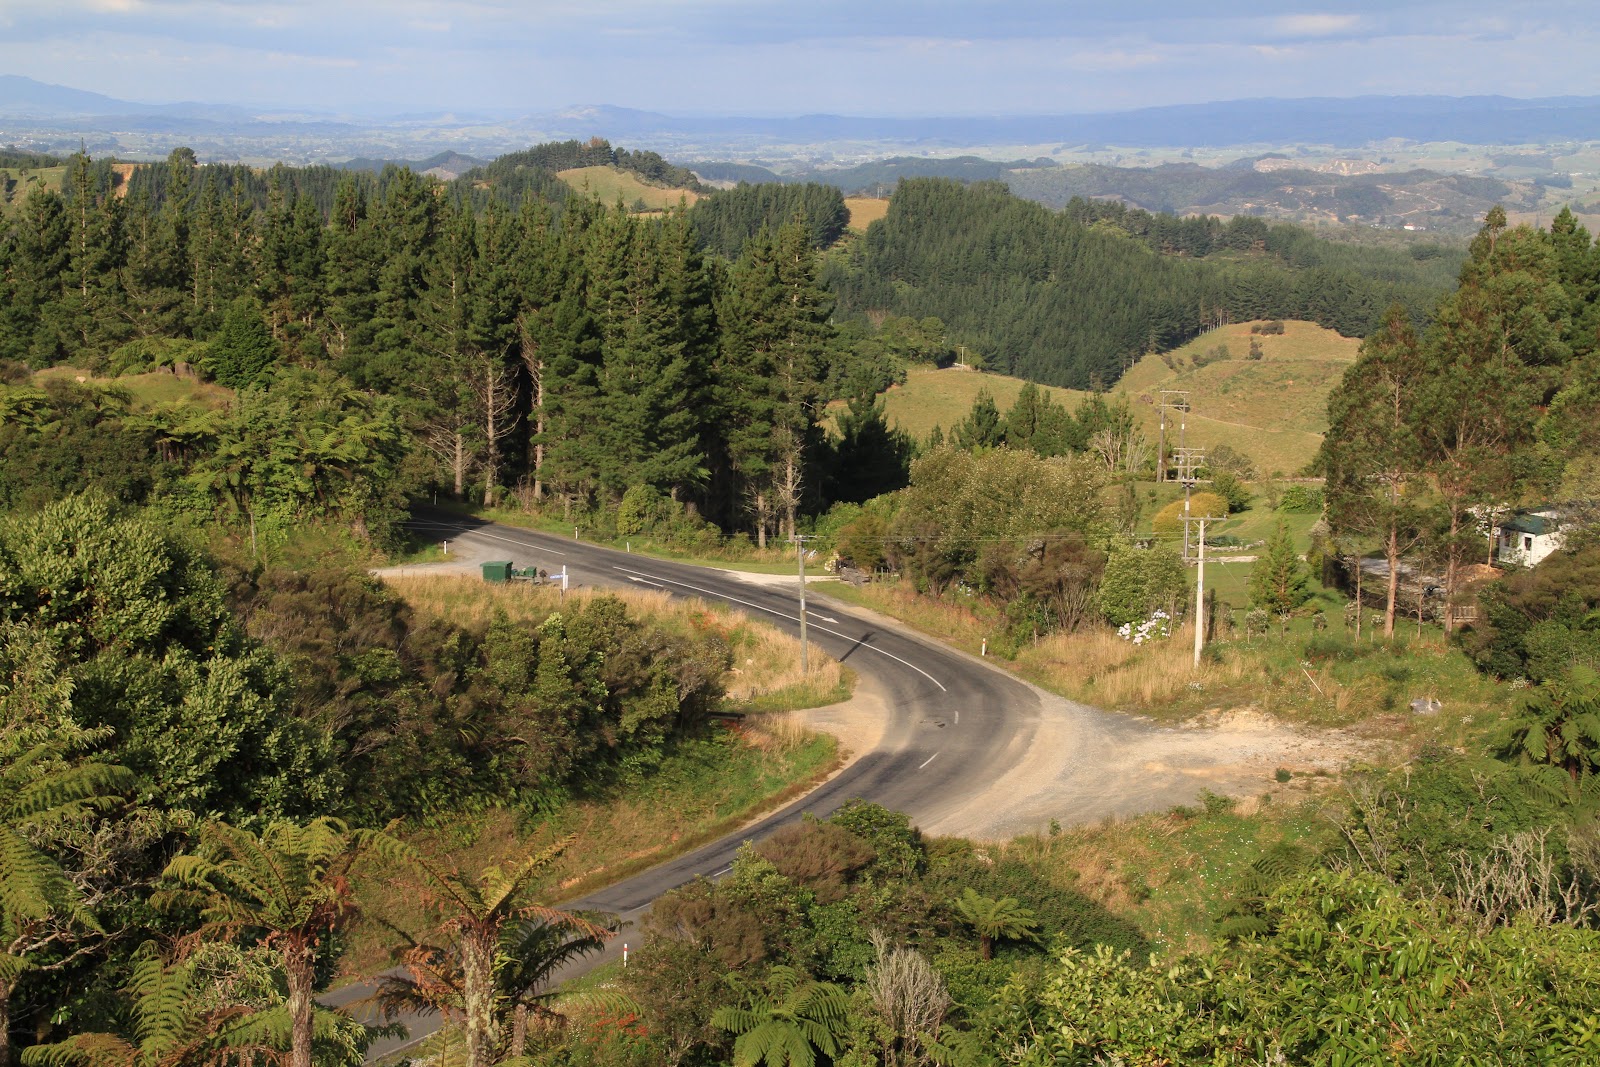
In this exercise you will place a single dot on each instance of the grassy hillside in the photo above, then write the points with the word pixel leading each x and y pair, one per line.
pixel 610 184
pixel 1273 410
pixel 149 390
pixel 865 210
pixel 17 182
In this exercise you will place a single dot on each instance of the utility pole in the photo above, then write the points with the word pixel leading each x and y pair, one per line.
pixel 1173 398
pixel 1200 579
pixel 800 557
pixel 1189 461
pixel 961 355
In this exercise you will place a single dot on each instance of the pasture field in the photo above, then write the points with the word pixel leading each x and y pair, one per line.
pixel 611 184
pixel 149 390
pixel 865 210
pixel 1273 410
pixel 17 182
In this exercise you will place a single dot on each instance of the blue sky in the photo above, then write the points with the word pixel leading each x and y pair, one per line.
pixel 861 57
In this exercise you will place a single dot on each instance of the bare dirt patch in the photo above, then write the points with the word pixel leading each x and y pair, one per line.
pixel 1087 765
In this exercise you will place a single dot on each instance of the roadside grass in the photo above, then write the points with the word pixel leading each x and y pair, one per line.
pixel 632 819
pixel 416 547
pixel 611 184
pixel 865 210
pixel 765 675
pixel 1167 873
pixel 1301 674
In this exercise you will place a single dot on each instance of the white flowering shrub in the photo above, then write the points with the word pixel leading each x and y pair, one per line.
pixel 1157 626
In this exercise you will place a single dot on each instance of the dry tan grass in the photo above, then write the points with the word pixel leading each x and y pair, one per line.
pixel 765 674
pixel 1098 667
pixel 778 734
pixel 865 210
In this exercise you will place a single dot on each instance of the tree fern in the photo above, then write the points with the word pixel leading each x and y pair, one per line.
pixel 994 920
pixel 289 887
pixel 786 1022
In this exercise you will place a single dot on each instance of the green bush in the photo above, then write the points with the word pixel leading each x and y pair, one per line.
pixel 1226 484
pixel 1541 623
pixel 640 511
pixel 1137 581
pixel 1301 500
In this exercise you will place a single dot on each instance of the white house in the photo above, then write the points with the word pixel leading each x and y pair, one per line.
pixel 1527 537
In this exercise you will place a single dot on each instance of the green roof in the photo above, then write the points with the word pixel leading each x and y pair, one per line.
pixel 1528 524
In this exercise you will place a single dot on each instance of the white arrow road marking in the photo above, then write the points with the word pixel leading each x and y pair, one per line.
pixel 824 618
pixel 784 615
pixel 927 761
pixel 646 581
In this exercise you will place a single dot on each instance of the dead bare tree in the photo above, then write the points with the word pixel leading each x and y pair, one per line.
pixel 494 385
pixel 910 998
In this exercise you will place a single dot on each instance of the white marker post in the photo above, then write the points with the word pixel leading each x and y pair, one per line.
pixel 800 554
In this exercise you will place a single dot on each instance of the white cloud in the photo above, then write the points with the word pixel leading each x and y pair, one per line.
pixel 1315 25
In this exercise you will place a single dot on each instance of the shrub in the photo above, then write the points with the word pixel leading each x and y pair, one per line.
pixel 1539 624
pixel 1226 485
pixel 1275 326
pixel 640 510
pixel 1139 581
pixel 864 540
pixel 1301 500
pixel 1227 458
pixel 818 855
pixel 1169 520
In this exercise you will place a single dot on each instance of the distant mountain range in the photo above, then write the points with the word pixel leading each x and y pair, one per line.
pixel 1331 121
pixel 25 103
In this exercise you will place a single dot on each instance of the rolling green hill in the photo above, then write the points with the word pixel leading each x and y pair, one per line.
pixel 611 184
pixel 17 182
pixel 1273 410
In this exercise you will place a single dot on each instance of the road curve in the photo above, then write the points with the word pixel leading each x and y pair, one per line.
pixel 953 728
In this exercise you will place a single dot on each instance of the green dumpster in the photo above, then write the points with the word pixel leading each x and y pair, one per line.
pixel 497 571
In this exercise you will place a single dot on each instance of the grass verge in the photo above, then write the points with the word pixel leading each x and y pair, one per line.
pixel 1167 872
pixel 1319 678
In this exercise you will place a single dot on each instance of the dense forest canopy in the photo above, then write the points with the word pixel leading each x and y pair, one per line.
pixel 450 346
pixel 726 220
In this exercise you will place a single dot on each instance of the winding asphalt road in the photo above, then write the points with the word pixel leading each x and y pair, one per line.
pixel 953 728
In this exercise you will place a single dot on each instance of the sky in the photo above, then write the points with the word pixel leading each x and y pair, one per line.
pixel 790 57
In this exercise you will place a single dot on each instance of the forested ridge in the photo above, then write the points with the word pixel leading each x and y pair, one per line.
pixel 459 348
pixel 1072 298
